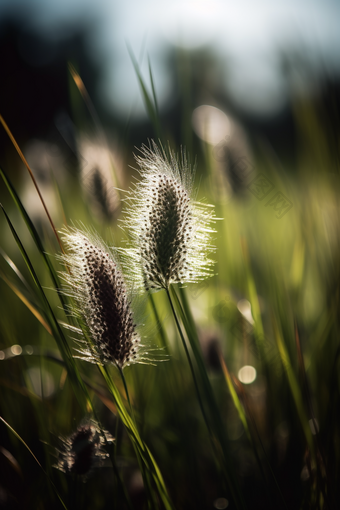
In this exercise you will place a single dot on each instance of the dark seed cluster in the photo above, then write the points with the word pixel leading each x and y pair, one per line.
pixel 166 233
pixel 103 197
pixel 82 451
pixel 106 308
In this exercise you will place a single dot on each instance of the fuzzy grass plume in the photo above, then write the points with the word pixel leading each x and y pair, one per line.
pixel 102 301
pixel 98 178
pixel 171 232
pixel 83 450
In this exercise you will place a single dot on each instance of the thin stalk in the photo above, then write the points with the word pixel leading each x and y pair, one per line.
pixel 35 236
pixel 219 427
pixel 252 420
pixel 162 333
pixel 119 480
pixel 113 457
pixel 127 395
pixel 22 157
pixel 146 477
pixel 191 366
pixel 87 100
pixel 75 495
pixel 77 383
pixel 116 436
pixel 242 416
pixel 125 387
pixel 35 458
pixel 211 436
pixel 309 406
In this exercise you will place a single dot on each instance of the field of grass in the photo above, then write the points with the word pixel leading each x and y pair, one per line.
pixel 239 407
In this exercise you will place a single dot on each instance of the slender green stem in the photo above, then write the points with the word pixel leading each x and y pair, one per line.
pixel 120 483
pixel 142 451
pixel 35 458
pixel 116 436
pixel 191 366
pixel 219 428
pixel 152 503
pixel 158 321
pixel 211 435
pixel 127 395
pixel 125 387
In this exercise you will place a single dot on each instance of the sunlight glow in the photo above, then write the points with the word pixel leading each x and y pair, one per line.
pixel 192 23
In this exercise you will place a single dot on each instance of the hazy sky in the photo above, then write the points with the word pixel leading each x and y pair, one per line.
pixel 248 33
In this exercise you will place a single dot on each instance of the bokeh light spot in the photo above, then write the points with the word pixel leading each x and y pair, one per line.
pixel 211 124
pixel 221 503
pixel 247 374
pixel 245 308
pixel 16 350
pixel 42 382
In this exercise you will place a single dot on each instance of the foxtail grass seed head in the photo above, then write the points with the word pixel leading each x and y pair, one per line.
pixel 98 178
pixel 84 450
pixel 171 232
pixel 102 301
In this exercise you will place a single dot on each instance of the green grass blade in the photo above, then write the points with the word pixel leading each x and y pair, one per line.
pixel 14 268
pixel 34 457
pixel 295 389
pixel 254 301
pixel 150 107
pixel 234 396
pixel 153 89
pixel 242 415
pixel 34 234
pixel 23 159
pixel 186 94
pixel 83 396
pixel 32 308
pixel 141 449
pixel 219 428
pixel 160 327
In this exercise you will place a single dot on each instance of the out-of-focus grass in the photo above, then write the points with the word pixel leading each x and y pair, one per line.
pixel 275 295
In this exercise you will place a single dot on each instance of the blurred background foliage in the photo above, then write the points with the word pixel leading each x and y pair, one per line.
pixel 272 172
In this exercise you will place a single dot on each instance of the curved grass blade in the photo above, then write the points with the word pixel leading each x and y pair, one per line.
pixel 218 426
pixel 83 396
pixel 141 449
pixel 150 106
pixel 34 457
pixel 22 157
pixel 34 234
pixel 86 98
pixel 234 396
pixel 295 389
pixel 243 418
pixel 320 453
pixel 254 301
pixel 26 302
pixel 14 268
pixel 153 89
